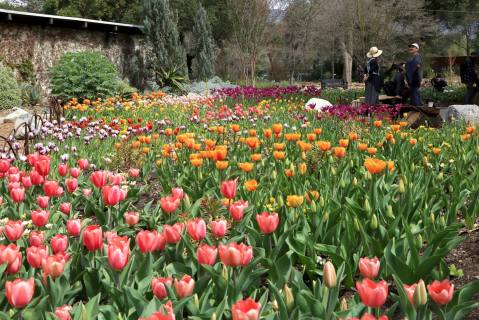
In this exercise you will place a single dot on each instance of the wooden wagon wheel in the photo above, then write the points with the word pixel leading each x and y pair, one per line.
pixel 7 146
pixel 56 108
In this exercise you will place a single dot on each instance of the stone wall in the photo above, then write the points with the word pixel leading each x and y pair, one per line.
pixel 44 45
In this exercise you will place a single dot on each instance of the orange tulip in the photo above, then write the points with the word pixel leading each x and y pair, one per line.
pixel 470 130
pixel 304 146
pixel 246 166
pixel 256 157
pixel 339 152
pixel 252 142
pixel 311 136
pixel 279 146
pixel 372 151
pixel 353 136
pixel 235 127
pixel 312 195
pixel 395 127
pixel 343 143
pixel 279 155
pixel 374 166
pixel 413 141
pixel 267 133
pixel 252 132
pixel 362 147
pixel 323 145
pixel 221 165
pixel 318 131
pixel 277 127
pixel 251 185
pixel 196 162
pixel 391 166
pixel 436 151
pixel 378 123
pixel 302 168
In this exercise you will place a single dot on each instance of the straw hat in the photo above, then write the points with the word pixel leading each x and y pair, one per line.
pixel 374 52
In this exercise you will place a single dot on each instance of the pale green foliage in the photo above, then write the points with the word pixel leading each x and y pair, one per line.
pixel 204 46
pixel 10 93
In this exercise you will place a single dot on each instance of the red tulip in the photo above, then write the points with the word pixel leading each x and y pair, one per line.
pixel 158 286
pixel 32 158
pixel 235 254
pixel 118 252
pixel 72 184
pixel 228 188
pixel 4 165
pixel 177 193
pixel 87 192
pixel 59 243
pixel 83 164
pixel 267 222
pixel 147 240
pixel 197 229
pixel 53 266
pixel 173 233
pixel 237 209
pixel 13 230
pixel 167 313
pixel 115 179
pixel 112 195
pixel 63 312
pixel 410 292
pixel 52 189
pixel 19 292
pixel 74 227
pixel 372 294
pixel 27 182
pixel 75 172
pixel 1 201
pixel 36 178
pixel 17 194
pixel 441 292
pixel 160 242
pixel 368 316
pixel 246 309
pixel 15 177
pixel 35 256
pixel 99 178
pixel 131 218
pixel 40 217
pixel 369 267
pixel 62 169
pixel 207 254
pixel 66 207
pixel 36 238
pixel 93 238
pixel 219 228
pixel 184 287
pixel 42 201
pixel 169 204
pixel 42 165
pixel 12 256
pixel 134 173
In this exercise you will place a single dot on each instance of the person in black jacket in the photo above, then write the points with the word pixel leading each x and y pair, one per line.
pixel 372 77
pixel 469 77
pixel 414 74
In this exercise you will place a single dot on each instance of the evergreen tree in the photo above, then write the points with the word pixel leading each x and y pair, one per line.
pixel 205 46
pixel 167 56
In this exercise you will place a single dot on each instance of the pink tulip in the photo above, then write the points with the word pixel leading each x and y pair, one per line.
pixel 62 169
pixel 42 201
pixel 72 184
pixel 267 222
pixel 219 228
pixel 185 286
pixel 35 256
pixel 59 243
pixel 118 252
pixel 99 178
pixel 237 209
pixel 74 227
pixel 228 188
pixel 83 164
pixel 134 173
pixel 369 267
pixel 158 286
pixel 13 230
pixel 173 233
pixel 36 238
pixel 197 229
pixel 40 217
pixel 75 172
pixel 131 218
pixel 177 193
pixel 206 254
pixel 235 254
pixel 441 292
pixel 169 204
pixel 19 292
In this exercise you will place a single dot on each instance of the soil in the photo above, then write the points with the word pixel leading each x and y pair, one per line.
pixel 466 257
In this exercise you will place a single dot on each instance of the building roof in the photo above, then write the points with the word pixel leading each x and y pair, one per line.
pixel 30 18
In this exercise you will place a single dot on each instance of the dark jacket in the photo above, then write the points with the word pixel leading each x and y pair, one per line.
pixel 372 70
pixel 468 73
pixel 400 84
pixel 413 71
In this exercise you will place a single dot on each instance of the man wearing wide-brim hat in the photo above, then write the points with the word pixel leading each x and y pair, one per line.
pixel 372 77
pixel 414 74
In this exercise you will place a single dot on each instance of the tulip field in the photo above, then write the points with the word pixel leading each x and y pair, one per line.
pixel 244 205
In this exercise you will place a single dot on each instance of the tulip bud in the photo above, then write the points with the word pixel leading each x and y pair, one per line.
pixel 196 300
pixel 213 316
pixel 451 188
pixel 355 181
pixel 329 275
pixel 288 297
pixel 275 305
pixel 313 206
pixel 440 176
pixel 326 216
pixel 274 175
pixel 367 206
pixel 401 186
pixel 420 294
pixel 432 217
pixel 303 155
pixel 419 241
pixel 333 171
pixel 374 222
pixel 368 175
pixel 356 224
pixel 187 201
pixel 477 150
pixel 389 212
pixel 280 202
pixel 224 273
pixel 344 305
pixel 442 221
pixel 321 202
pixel 413 167
pixel 342 184
pixel 425 161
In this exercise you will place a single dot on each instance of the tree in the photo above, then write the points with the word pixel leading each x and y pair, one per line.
pixel 361 24
pixel 205 47
pixel 166 55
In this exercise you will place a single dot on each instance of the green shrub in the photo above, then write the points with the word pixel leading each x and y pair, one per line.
pixel 84 75
pixel 10 93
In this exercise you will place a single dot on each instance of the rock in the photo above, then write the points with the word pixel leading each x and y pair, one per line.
pixel 468 113
pixel 317 104
pixel 15 118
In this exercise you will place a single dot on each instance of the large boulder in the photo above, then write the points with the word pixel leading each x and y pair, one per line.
pixel 468 113
pixel 317 104
pixel 14 118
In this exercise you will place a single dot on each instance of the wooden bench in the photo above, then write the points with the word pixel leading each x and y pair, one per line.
pixel 334 83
